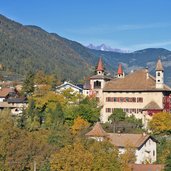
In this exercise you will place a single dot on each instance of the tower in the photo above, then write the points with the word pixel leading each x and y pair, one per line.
pixel 98 81
pixel 120 73
pixel 159 75
pixel 100 68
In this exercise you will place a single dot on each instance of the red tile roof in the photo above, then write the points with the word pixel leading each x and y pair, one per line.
pixel 124 140
pixel 136 81
pixel 147 167
pixel 120 140
pixel 5 91
pixel 100 65
pixel 97 131
pixel 120 70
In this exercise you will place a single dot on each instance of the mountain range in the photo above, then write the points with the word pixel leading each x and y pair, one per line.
pixel 104 47
pixel 30 48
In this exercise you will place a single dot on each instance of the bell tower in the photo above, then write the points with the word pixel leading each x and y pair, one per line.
pixel 159 75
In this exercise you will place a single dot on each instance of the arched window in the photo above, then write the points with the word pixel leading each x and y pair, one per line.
pixel 97 84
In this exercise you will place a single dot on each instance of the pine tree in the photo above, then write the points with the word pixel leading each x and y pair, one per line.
pixel 28 85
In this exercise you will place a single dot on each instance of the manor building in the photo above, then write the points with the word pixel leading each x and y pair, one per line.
pixel 138 93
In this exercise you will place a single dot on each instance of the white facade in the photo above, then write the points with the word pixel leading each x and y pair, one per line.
pixel 134 108
pixel 98 91
pixel 147 153
pixel 67 85
pixel 2 99
pixel 86 92
pixel 159 79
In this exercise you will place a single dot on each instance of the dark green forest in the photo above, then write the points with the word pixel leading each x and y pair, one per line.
pixel 30 48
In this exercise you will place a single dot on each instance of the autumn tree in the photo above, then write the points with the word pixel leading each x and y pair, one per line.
pixel 72 96
pixel 160 123
pixel 19 148
pixel 127 158
pixel 78 125
pixel 71 158
pixel 105 156
pixel 46 79
pixel 45 110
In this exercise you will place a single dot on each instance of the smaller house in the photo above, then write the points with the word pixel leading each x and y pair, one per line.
pixel 67 85
pixel 15 104
pixel 86 88
pixel 18 101
pixel 144 145
pixel 97 133
pixel 9 99
pixel 5 93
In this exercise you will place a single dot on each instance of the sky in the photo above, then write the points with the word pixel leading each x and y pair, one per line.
pixel 125 24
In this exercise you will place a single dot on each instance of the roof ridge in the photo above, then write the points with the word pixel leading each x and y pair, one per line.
pixel 135 81
pixel 97 131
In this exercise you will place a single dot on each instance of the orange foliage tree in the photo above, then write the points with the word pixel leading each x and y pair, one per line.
pixel 78 125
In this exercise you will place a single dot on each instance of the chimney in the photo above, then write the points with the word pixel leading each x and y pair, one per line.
pixel 147 74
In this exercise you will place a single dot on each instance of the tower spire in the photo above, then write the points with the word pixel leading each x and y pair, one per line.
pixel 120 72
pixel 159 66
pixel 100 68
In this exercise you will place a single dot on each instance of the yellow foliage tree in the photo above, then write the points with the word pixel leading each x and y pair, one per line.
pixel 49 99
pixel 161 123
pixel 105 156
pixel 78 125
pixel 127 158
pixel 71 96
pixel 19 148
pixel 71 158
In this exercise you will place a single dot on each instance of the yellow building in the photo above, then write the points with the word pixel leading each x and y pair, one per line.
pixel 138 93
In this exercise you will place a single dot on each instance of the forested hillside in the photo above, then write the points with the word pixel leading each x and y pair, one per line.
pixel 25 48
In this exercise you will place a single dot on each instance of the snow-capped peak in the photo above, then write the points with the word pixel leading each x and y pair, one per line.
pixel 104 47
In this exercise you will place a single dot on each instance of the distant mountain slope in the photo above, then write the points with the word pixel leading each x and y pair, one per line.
pixel 25 48
pixel 138 59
